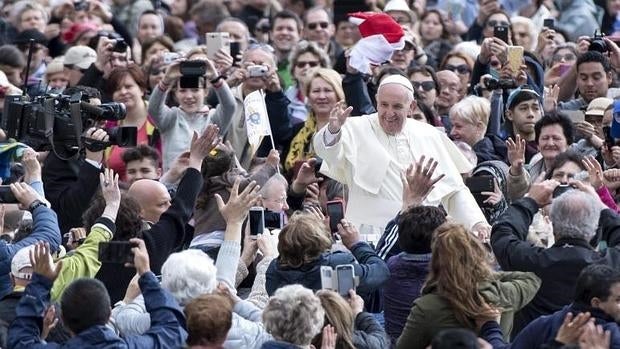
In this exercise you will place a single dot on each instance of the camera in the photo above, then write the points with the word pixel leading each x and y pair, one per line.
pixel 120 46
pixel 597 43
pixel 56 122
pixel 256 71
pixel 191 72
pixel 500 84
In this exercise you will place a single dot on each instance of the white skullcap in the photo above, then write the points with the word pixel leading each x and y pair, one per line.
pixel 397 79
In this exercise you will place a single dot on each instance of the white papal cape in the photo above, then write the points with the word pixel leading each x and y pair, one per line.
pixel 365 158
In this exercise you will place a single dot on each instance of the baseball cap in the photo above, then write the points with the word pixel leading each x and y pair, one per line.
pixel 598 106
pixel 20 261
pixel 80 56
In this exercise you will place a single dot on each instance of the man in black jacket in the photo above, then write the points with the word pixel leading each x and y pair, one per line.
pixel 575 216
pixel 168 233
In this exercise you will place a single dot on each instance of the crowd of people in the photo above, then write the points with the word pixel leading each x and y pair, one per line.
pixel 436 174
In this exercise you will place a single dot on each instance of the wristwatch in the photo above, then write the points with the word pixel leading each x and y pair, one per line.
pixel 35 204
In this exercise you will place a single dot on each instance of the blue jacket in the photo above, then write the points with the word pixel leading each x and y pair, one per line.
pixel 167 321
pixel 45 228
pixel 368 266
pixel 544 329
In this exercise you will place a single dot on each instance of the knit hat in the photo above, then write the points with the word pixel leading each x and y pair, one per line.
pixel 80 56
pixel 381 36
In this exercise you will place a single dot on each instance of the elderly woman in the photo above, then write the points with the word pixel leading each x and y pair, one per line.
pixel 293 316
pixel 356 329
pixel 461 64
pixel 525 33
pixel 305 57
pixel 469 119
pixel 127 85
pixel 304 246
pixel 323 91
pixel 191 273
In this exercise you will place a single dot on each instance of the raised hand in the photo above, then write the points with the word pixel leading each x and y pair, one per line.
pixel 32 167
pixel 203 145
pixel 516 155
pixel 273 158
pixel 494 197
pixel 305 176
pixel 49 321
pixel 595 171
pixel 356 302
pixel 173 73
pixel 109 186
pixel 268 244
pixel 211 72
pixel 611 178
pixel 418 182
pixel 572 328
pixel 338 116
pixel 41 260
pixel 140 257
pixel 25 195
pixel 542 192
pixel 236 209
pixel 329 337
pixel 550 102
pixel 223 61
pixel 594 337
pixel 348 233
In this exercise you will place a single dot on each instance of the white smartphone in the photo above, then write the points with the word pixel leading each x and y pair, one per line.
pixel 216 42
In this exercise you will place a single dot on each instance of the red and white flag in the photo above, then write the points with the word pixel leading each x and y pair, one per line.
pixel 381 36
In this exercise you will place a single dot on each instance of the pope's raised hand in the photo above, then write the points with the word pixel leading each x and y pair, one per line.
pixel 338 117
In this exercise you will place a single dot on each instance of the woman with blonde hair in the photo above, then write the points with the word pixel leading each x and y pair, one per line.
pixel 323 90
pixel 461 287
pixel 355 328
pixel 304 246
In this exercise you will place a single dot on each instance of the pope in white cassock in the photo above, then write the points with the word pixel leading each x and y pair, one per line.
pixel 369 154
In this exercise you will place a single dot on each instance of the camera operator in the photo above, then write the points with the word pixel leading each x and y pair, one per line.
pixel 109 56
pixel 70 184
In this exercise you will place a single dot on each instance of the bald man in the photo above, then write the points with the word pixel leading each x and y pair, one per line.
pixel 168 220
pixel 153 198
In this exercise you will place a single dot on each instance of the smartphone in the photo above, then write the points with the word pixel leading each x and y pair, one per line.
pixel 256 221
pixel 346 279
pixel 118 252
pixel 6 195
pixel 317 166
pixel 515 57
pixel 335 211
pixel 478 184
pixel 273 220
pixel 235 50
pixel 216 42
pixel 549 23
pixel 327 278
pixel 501 32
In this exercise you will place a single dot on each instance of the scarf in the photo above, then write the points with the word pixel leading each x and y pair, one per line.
pixel 301 145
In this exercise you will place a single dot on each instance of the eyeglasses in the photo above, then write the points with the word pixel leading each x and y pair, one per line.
pixel 302 64
pixel 493 24
pixel 313 26
pixel 461 69
pixel 566 57
pixel 426 85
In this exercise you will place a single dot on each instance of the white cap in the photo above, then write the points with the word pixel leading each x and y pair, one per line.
pixel 399 5
pixel 20 261
pixel 399 80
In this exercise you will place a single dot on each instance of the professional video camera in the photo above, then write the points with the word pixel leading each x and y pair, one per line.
pixel 56 122
pixel 500 84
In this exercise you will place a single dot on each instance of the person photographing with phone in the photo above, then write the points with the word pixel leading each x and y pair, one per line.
pixel 188 79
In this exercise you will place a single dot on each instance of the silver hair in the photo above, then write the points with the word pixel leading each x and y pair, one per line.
pixel 273 180
pixel 575 214
pixel 188 274
pixel 305 46
pixel 294 314
pixel 24 5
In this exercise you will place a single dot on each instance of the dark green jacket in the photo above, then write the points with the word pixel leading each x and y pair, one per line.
pixel 432 313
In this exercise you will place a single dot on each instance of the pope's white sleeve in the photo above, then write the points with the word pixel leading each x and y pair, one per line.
pixel 462 207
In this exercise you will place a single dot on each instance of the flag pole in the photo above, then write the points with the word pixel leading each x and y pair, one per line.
pixel 273 145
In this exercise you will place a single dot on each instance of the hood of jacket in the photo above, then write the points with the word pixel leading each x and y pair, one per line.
pixel 538 80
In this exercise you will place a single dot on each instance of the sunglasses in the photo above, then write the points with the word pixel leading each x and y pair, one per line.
pixel 302 64
pixel 426 85
pixel 493 24
pixel 461 69
pixel 313 26
pixel 566 57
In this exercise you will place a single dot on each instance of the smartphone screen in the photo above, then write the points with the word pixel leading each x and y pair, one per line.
pixel 273 220
pixel 478 184
pixel 118 252
pixel 345 276
pixel 335 211
pixel 235 49
pixel 549 23
pixel 501 32
pixel 257 221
